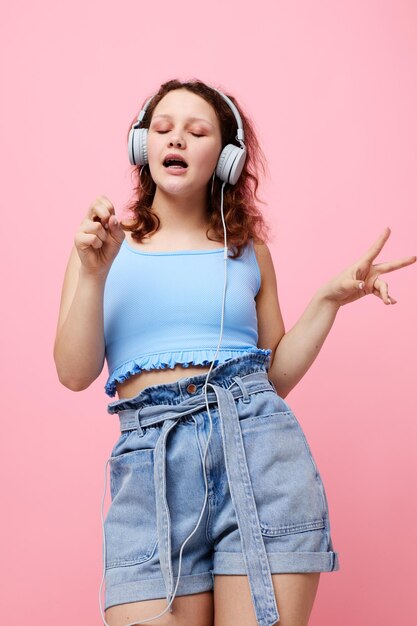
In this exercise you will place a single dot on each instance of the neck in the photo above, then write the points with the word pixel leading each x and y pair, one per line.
pixel 175 212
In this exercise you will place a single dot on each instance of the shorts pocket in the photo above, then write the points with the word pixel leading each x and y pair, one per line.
pixel 262 404
pixel 287 487
pixel 130 524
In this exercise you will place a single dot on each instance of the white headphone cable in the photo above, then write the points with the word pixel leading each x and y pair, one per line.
pixel 169 607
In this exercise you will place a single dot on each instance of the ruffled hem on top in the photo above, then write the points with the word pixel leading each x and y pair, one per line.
pixel 165 360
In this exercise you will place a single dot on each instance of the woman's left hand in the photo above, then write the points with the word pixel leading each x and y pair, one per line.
pixel 363 278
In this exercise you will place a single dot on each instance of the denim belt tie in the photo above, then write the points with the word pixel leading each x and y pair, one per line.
pixel 253 548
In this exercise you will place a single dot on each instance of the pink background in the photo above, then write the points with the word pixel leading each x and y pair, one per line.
pixel 333 92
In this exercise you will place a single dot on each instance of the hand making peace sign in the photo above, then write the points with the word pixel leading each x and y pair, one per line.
pixel 362 278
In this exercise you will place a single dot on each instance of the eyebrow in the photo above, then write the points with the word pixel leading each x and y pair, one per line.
pixel 190 119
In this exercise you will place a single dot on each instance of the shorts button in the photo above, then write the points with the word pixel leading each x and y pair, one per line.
pixel 191 388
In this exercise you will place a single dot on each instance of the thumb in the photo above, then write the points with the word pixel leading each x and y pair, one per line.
pixel 360 285
pixel 349 285
pixel 116 230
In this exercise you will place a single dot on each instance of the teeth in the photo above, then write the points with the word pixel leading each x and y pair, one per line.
pixel 175 162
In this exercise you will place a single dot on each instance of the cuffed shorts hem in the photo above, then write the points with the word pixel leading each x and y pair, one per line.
pixel 279 562
pixel 228 563
pixel 154 588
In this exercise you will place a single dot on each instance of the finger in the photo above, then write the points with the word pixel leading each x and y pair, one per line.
pixel 101 210
pixel 116 229
pixel 348 287
pixel 95 228
pixel 98 214
pixel 381 290
pixel 360 286
pixel 105 202
pixel 391 266
pixel 104 219
pixel 88 240
pixel 391 300
pixel 376 248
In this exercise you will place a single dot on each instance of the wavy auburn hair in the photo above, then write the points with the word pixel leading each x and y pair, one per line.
pixel 242 218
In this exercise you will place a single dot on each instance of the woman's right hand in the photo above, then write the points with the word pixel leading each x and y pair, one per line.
pixel 99 237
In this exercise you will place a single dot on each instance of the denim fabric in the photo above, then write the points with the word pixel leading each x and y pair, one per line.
pixel 266 509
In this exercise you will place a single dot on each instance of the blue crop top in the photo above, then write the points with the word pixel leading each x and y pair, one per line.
pixel 164 308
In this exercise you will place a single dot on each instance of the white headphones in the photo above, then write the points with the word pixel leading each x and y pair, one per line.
pixel 231 160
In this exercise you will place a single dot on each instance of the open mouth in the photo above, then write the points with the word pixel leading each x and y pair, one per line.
pixel 175 163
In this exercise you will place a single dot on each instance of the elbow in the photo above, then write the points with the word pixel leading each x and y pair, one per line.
pixel 72 376
pixel 282 392
pixel 281 389
pixel 73 383
pixel 70 380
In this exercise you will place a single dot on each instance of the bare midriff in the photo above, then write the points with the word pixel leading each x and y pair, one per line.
pixel 133 385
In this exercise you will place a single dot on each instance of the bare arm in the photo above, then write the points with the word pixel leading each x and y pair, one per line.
pixel 79 342
pixel 299 347
pixel 294 351
pixel 79 348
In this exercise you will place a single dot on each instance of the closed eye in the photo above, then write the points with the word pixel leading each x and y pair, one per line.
pixel 163 132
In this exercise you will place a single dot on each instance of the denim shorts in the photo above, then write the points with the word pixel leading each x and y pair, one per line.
pixel 194 493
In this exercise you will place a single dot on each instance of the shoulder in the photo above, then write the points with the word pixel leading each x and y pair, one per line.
pixel 265 262
pixel 270 323
pixel 261 248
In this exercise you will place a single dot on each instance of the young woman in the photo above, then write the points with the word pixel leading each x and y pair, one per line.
pixel 218 513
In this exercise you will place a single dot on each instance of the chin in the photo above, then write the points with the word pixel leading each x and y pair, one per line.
pixel 174 187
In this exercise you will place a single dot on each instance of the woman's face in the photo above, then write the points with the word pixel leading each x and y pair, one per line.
pixel 183 124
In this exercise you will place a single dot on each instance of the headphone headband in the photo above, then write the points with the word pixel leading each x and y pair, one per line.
pixel 231 160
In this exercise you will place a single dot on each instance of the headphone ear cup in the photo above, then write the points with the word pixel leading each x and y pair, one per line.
pixel 230 163
pixel 138 146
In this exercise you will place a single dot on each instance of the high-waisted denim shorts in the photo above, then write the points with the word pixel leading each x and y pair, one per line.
pixel 195 493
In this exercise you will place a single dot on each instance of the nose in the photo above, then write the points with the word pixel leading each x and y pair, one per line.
pixel 176 138
pixel 177 142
